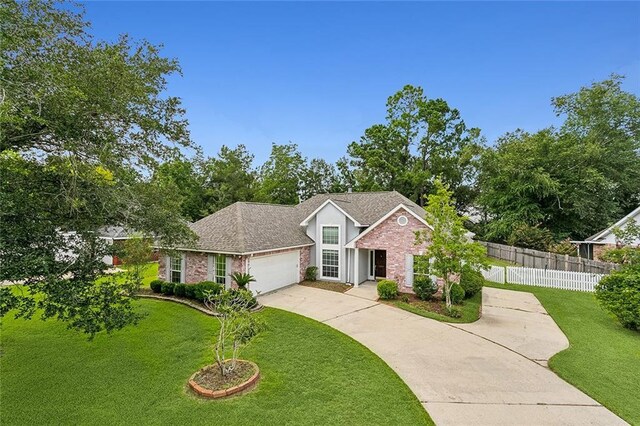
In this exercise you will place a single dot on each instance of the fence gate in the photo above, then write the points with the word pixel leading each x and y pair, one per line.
pixel 494 274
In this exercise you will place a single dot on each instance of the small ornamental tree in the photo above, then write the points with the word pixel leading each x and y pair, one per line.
pixel 237 325
pixel 135 256
pixel 448 245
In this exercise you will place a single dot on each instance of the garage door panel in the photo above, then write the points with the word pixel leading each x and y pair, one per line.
pixel 274 271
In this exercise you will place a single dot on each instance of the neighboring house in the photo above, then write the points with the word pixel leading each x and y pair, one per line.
pixel 350 237
pixel 595 245
pixel 118 235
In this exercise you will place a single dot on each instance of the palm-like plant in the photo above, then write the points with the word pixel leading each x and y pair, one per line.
pixel 242 279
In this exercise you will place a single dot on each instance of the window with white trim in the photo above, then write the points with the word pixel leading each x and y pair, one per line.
pixel 330 235
pixel 175 269
pixel 220 269
pixel 330 263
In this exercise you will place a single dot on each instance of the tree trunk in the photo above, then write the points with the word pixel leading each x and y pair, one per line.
pixel 447 293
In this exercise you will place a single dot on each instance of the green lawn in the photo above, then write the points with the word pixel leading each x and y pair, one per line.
pixel 470 309
pixel 499 262
pixel 311 374
pixel 603 359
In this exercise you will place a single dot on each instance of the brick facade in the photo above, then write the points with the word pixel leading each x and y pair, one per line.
pixel 305 260
pixel 197 267
pixel 197 264
pixel 398 241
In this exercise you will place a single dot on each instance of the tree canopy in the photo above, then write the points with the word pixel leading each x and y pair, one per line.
pixel 83 123
pixel 573 180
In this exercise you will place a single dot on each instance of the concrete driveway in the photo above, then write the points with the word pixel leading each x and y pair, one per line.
pixel 491 372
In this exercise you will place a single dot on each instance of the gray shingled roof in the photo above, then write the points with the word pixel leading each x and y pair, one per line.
pixel 365 207
pixel 250 227
pixel 116 232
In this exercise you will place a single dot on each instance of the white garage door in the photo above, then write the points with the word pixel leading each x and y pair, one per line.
pixel 275 271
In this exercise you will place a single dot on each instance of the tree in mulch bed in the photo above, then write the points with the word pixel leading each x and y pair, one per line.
pixel 238 327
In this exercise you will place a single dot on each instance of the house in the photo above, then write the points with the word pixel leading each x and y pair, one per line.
pixel 350 237
pixel 595 245
pixel 117 235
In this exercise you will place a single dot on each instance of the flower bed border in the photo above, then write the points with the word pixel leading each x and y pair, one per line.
pixel 222 393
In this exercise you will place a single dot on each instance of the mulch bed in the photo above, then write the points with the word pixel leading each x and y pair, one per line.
pixel 434 305
pixel 327 285
pixel 210 383
pixel 196 304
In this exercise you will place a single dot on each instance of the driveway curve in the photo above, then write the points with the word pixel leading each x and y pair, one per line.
pixel 490 372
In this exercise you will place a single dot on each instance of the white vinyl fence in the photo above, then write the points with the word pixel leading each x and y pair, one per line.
pixel 579 281
pixel 566 280
pixel 494 274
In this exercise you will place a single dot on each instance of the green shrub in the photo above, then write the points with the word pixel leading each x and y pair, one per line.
pixel 387 289
pixel 311 273
pixel 405 298
pixel 619 293
pixel 180 290
pixel 190 291
pixel 454 312
pixel 457 294
pixel 156 285
pixel 167 288
pixel 244 294
pixel 424 287
pixel 471 281
pixel 203 287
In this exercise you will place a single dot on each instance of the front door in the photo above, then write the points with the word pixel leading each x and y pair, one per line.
pixel 381 263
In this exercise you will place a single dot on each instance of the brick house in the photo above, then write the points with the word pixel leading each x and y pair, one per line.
pixel 349 237
pixel 595 245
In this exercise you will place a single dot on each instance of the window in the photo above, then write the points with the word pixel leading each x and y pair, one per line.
pixel 220 264
pixel 330 263
pixel 330 235
pixel 175 269
pixel 402 220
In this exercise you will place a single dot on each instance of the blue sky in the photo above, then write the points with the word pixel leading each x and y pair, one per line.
pixel 318 74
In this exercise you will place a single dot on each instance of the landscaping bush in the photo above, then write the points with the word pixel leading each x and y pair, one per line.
pixel 454 312
pixel 203 287
pixel 311 273
pixel 619 293
pixel 387 289
pixel 156 286
pixel 167 288
pixel 180 290
pixel 424 287
pixel 471 281
pixel 242 279
pixel 245 295
pixel 190 291
pixel 457 294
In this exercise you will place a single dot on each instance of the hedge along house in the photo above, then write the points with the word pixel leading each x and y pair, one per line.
pixel 350 237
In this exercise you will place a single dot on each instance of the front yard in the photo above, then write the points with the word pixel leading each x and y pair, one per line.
pixel 311 374
pixel 603 359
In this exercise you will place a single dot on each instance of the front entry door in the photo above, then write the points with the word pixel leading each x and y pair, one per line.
pixel 381 263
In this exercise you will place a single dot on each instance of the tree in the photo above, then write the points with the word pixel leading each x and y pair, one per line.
pixel 280 177
pixel 83 124
pixel 237 325
pixel 229 177
pixel 136 254
pixel 189 180
pixel 320 177
pixel 421 139
pixel 569 180
pixel 448 247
